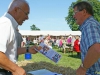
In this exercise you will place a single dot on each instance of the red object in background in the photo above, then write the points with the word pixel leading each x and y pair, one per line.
pixel 76 46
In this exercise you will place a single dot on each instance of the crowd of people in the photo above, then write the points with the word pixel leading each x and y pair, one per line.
pixel 10 44
pixel 63 43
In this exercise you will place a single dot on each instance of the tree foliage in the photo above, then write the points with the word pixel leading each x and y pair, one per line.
pixel 33 27
pixel 70 20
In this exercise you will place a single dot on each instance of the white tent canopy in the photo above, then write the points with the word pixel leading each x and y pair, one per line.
pixel 53 33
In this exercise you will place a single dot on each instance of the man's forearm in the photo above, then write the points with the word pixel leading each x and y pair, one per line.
pixel 5 63
pixel 92 56
pixel 21 50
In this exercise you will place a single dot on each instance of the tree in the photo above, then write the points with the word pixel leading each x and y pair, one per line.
pixel 70 20
pixel 33 27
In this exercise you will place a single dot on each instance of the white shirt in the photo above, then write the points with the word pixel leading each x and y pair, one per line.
pixel 8 41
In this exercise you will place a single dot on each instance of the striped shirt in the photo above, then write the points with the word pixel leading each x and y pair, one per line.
pixel 90 35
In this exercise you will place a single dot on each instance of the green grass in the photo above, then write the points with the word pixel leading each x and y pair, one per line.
pixel 66 60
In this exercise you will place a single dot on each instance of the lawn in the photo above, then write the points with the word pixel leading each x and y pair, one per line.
pixel 67 59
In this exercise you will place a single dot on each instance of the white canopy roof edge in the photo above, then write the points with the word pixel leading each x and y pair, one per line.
pixel 53 33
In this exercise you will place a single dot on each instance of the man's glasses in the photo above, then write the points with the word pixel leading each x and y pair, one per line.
pixel 23 11
pixel 75 12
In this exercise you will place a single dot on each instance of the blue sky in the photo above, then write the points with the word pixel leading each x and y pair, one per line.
pixel 48 15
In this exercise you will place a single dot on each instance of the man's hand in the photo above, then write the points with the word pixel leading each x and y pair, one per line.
pixel 19 71
pixel 81 71
pixel 32 49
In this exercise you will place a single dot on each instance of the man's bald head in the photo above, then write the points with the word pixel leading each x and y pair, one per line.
pixel 17 3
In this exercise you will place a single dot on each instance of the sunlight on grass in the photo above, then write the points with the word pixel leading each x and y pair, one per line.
pixel 66 59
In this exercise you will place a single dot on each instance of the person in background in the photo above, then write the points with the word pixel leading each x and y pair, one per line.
pixel 77 46
pixel 72 42
pixel 90 39
pixel 48 36
pixel 16 15
pixel 69 41
pixel 57 42
pixel 64 44
pixel 50 45
pixel 41 39
pixel 60 44
pixel 24 41
pixel 27 40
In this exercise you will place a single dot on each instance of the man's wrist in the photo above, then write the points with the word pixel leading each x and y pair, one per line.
pixel 82 66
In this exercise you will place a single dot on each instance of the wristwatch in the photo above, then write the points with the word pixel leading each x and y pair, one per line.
pixel 82 65
pixel 27 49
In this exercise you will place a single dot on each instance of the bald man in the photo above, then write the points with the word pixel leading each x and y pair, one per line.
pixel 17 13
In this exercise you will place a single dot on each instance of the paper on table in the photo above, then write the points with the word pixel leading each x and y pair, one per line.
pixel 48 52
pixel 43 72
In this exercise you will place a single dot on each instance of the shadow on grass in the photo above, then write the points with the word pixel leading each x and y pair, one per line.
pixel 46 65
pixel 75 56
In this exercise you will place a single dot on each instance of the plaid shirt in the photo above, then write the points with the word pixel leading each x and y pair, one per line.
pixel 90 35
